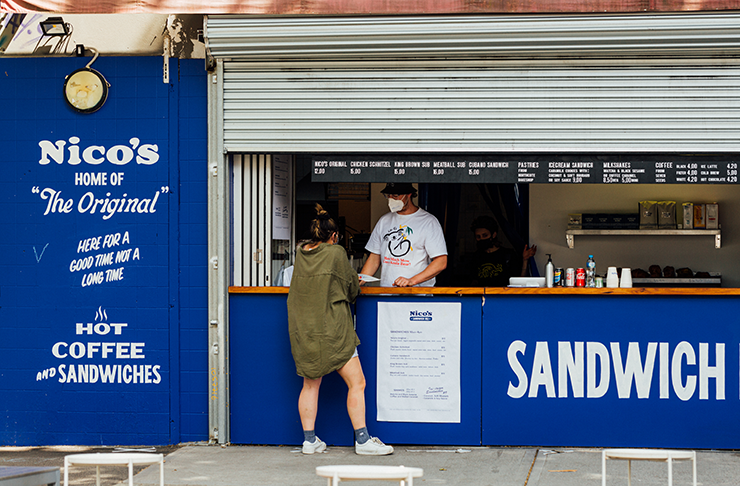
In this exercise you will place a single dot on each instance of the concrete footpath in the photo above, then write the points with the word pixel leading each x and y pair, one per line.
pixel 196 465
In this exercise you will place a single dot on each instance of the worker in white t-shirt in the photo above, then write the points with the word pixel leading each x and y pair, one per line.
pixel 407 244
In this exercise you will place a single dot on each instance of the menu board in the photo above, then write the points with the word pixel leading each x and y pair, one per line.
pixel 529 169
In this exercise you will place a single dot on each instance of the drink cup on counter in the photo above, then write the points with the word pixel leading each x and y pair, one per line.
pixel 612 279
pixel 626 280
pixel 599 281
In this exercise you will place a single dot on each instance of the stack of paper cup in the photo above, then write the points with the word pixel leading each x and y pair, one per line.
pixel 612 279
pixel 626 280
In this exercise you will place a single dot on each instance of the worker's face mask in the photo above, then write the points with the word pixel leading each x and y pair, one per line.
pixel 395 205
pixel 484 245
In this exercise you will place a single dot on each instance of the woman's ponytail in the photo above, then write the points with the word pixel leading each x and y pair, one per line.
pixel 323 226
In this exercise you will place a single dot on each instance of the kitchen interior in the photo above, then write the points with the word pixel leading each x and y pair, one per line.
pixel 550 206
pixel 359 206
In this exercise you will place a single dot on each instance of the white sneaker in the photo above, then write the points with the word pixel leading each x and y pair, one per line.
pixel 316 446
pixel 373 447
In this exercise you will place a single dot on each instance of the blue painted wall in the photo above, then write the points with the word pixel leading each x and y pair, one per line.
pixel 103 288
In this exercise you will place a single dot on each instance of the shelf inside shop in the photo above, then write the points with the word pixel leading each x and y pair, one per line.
pixel 572 233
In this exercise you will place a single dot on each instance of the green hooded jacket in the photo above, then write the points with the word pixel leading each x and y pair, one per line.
pixel 322 334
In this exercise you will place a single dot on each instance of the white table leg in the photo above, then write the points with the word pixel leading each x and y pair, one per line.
pixel 670 471
pixel 603 468
pixel 130 473
pixel 161 471
pixel 693 461
pixel 629 473
pixel 66 474
pixel 97 475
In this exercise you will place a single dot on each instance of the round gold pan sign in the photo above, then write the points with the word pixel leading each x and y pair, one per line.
pixel 85 90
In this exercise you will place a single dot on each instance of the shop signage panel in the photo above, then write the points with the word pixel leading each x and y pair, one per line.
pixel 611 371
pixel 529 169
pixel 86 264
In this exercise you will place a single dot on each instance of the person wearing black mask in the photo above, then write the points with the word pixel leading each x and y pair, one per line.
pixel 492 264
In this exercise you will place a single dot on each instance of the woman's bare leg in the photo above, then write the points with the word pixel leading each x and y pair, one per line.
pixel 308 403
pixel 353 376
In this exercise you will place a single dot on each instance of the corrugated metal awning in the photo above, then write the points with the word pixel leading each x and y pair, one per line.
pixel 480 84
pixel 480 37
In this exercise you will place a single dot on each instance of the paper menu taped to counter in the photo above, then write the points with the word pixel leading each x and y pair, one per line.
pixel 418 366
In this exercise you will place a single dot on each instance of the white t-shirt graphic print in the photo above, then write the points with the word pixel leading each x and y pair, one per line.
pixel 406 243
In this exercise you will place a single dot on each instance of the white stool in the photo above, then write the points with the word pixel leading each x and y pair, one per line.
pixel 659 455
pixel 129 459
pixel 388 473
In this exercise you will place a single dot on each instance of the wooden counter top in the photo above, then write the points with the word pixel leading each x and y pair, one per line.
pixel 511 291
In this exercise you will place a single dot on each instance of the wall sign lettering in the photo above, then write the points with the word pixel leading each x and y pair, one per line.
pixel 118 361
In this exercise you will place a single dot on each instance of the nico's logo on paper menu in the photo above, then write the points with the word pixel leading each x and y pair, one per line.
pixel 420 315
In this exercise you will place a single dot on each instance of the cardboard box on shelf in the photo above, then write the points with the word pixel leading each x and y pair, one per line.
pixel 590 221
pixel 610 221
pixel 688 215
pixel 700 212
pixel 575 221
pixel 712 216
pixel 624 221
pixel 632 221
pixel 603 221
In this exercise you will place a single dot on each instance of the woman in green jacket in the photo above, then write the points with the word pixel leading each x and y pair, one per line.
pixel 322 334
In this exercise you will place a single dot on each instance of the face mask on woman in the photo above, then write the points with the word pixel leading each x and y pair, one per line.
pixel 395 205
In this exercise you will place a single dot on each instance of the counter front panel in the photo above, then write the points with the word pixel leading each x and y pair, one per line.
pixel 602 370
pixel 264 385
pixel 611 371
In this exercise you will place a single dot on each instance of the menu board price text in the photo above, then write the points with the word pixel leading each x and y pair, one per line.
pixel 529 169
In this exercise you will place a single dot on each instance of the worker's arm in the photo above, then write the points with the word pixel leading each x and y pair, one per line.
pixel 528 253
pixel 371 265
pixel 433 269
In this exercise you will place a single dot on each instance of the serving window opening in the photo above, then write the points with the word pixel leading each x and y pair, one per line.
pixel 274 199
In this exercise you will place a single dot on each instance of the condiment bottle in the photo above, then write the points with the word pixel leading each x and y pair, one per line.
pixel 549 271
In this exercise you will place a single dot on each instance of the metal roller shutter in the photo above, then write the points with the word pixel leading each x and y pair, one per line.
pixel 473 37
pixel 393 85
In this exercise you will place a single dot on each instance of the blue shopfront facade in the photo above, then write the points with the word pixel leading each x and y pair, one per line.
pixel 104 306
pixel 118 326
pixel 633 367
pixel 103 293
